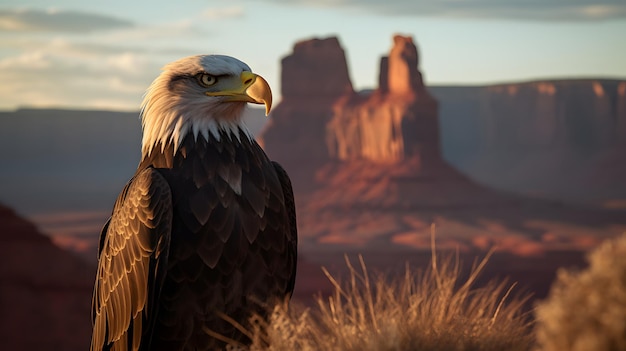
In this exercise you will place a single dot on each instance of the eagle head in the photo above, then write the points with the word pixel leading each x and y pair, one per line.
pixel 204 95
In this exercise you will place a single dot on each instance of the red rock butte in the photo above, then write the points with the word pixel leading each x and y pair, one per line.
pixel 322 119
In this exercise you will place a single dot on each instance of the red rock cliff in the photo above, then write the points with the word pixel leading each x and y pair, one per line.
pixel 559 138
pixel 564 114
pixel 45 292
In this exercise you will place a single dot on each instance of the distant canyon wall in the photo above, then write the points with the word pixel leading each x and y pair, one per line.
pixel 583 114
pixel 539 137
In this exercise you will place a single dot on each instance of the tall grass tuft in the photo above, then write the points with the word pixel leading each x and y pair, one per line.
pixel 587 310
pixel 434 310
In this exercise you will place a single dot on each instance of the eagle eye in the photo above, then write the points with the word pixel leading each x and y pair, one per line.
pixel 206 79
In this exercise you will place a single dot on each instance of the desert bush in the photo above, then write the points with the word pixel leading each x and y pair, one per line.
pixel 432 310
pixel 587 310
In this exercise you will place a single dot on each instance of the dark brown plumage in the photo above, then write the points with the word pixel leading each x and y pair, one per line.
pixel 205 228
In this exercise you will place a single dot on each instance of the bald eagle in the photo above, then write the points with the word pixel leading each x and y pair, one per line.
pixel 204 234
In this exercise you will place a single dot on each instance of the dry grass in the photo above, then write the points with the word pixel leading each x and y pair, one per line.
pixel 587 310
pixel 433 310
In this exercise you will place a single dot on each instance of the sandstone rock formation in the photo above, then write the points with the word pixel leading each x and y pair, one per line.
pixel 395 122
pixel 45 292
pixel 404 77
pixel 321 118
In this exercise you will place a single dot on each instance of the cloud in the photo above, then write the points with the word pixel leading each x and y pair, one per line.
pixel 53 76
pixel 224 13
pixel 31 50
pixel 546 10
pixel 35 20
pixel 78 64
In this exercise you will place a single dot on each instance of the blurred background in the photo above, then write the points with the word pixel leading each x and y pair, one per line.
pixel 504 124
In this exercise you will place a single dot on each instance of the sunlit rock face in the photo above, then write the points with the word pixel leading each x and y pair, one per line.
pixel 403 76
pixel 396 121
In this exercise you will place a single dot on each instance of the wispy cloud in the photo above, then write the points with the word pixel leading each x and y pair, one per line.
pixel 221 13
pixel 546 10
pixel 62 58
pixel 62 74
pixel 176 30
pixel 37 20
pixel 90 48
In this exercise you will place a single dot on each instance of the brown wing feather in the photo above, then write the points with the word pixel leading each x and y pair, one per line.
pixel 133 252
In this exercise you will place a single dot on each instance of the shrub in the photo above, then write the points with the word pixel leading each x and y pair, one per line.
pixel 587 310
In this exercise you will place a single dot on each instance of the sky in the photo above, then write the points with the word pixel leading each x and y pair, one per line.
pixel 103 55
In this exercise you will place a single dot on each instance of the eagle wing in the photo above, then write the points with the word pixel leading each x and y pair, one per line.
pixel 132 258
pixel 290 206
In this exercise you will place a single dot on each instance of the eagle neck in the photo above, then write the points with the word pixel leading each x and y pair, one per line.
pixel 177 129
pixel 173 155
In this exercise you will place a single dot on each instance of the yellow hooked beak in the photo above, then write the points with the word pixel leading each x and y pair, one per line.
pixel 251 88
